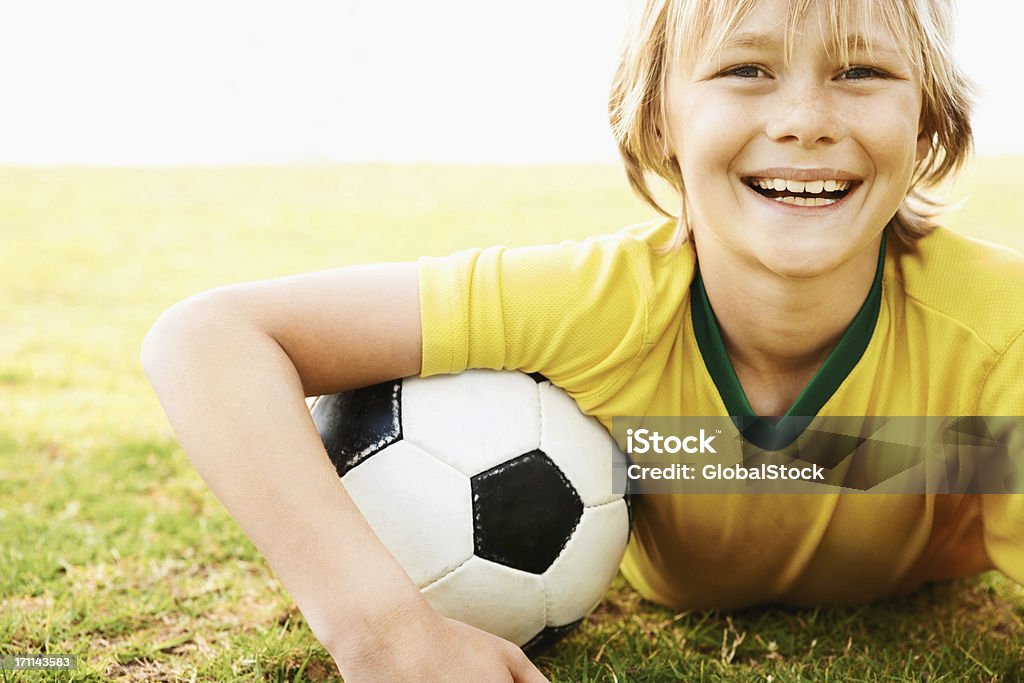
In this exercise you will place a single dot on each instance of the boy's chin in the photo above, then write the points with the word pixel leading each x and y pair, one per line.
pixel 815 253
pixel 801 262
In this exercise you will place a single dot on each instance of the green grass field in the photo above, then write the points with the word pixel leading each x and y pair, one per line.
pixel 111 547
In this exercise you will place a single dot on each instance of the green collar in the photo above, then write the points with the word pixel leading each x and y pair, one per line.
pixel 769 433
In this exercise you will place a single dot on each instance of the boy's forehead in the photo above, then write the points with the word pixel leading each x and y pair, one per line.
pixel 842 26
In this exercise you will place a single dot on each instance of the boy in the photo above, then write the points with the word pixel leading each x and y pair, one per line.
pixel 798 136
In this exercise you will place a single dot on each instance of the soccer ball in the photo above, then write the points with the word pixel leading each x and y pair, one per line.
pixel 491 489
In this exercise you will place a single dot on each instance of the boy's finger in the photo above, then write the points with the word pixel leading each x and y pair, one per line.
pixel 523 671
pixel 531 675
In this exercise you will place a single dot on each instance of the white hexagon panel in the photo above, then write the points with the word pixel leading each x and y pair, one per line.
pixel 579 445
pixel 498 599
pixel 474 420
pixel 418 506
pixel 580 576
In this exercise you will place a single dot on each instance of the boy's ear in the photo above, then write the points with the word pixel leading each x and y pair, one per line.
pixel 662 143
pixel 924 145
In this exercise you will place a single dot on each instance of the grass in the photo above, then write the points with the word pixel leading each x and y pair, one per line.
pixel 113 549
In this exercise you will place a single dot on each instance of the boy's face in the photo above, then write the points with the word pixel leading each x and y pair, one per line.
pixel 844 140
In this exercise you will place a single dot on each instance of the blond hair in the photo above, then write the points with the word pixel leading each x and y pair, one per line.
pixel 664 30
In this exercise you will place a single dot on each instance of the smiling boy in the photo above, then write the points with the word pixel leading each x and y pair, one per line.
pixel 798 144
pixel 804 278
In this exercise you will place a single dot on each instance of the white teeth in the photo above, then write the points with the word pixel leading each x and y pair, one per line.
pixel 813 186
pixel 806 201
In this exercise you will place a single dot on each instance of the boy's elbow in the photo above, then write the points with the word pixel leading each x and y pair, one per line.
pixel 183 329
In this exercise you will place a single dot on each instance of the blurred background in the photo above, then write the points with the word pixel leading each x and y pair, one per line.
pixel 151 150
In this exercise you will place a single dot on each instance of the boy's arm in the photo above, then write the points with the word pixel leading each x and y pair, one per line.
pixel 231 368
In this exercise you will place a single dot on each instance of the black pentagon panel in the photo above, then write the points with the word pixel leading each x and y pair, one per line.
pixel 538 378
pixel 550 635
pixel 354 425
pixel 524 511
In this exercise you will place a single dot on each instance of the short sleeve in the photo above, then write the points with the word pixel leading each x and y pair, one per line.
pixel 1003 514
pixel 575 311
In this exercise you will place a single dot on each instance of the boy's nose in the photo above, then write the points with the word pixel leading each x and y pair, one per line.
pixel 804 114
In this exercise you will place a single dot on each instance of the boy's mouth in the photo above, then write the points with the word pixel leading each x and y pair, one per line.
pixel 799 192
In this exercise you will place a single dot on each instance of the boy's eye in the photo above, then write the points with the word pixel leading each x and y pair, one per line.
pixel 858 73
pixel 745 71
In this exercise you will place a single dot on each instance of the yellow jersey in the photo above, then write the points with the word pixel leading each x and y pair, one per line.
pixel 624 327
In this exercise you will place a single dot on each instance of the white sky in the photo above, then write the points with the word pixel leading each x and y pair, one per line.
pixel 211 81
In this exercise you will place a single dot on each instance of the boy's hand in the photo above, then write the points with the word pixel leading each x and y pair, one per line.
pixel 436 648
